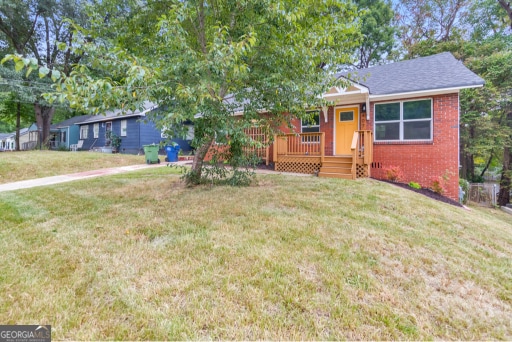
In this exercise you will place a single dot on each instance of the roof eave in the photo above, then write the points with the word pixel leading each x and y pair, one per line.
pixel 110 118
pixel 428 92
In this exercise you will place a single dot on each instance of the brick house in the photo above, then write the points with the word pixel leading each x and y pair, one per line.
pixel 404 114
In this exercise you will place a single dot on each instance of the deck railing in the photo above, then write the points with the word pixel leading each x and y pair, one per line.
pixel 362 150
pixel 305 144
pixel 259 145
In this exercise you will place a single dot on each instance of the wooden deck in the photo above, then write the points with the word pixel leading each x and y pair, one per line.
pixel 304 153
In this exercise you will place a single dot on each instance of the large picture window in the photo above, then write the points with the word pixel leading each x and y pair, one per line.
pixel 84 131
pixel 403 121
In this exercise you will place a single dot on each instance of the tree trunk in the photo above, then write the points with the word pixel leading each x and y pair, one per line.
pixel 197 164
pixel 504 194
pixel 18 124
pixel 467 166
pixel 508 9
pixel 487 164
pixel 44 116
pixel 466 159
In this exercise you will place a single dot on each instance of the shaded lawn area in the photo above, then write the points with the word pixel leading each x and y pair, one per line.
pixel 17 166
pixel 139 257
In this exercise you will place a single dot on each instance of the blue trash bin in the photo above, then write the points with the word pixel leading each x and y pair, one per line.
pixel 172 153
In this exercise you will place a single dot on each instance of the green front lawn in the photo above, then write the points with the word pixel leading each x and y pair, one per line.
pixel 139 257
pixel 17 166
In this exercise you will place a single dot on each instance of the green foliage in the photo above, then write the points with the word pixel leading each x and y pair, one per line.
pixel 115 140
pixel 378 32
pixel 414 185
pixel 62 148
pixel 203 61
pixel 33 32
pixel 426 25
pixel 465 185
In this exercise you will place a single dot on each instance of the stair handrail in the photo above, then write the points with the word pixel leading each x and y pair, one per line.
pixel 354 149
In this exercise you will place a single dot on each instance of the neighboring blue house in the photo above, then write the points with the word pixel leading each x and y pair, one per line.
pixel 134 128
pixel 66 133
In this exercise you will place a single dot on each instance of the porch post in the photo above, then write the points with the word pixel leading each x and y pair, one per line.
pixel 275 147
pixel 322 147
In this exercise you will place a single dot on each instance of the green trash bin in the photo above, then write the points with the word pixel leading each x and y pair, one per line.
pixel 151 154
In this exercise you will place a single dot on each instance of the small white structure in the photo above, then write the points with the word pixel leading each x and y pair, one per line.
pixel 7 141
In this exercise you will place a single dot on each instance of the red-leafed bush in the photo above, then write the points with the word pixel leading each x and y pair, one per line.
pixel 438 185
pixel 393 173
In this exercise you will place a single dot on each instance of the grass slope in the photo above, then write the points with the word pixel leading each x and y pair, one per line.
pixel 139 257
pixel 17 166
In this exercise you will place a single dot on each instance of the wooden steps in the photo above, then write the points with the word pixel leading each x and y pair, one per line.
pixel 337 167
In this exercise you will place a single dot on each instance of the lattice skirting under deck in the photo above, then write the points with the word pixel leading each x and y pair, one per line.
pixel 361 171
pixel 308 165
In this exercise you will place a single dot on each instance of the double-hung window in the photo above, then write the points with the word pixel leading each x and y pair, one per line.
pixel 311 125
pixel 124 125
pixel 96 130
pixel 84 132
pixel 404 120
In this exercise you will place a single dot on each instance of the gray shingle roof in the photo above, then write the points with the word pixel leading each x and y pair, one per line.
pixel 439 71
pixel 6 135
pixel 71 121
pixel 119 114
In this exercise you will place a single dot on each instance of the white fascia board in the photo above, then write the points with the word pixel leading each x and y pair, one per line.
pixel 102 118
pixel 328 96
pixel 422 93
pixel 362 90
pixel 109 118
pixel 240 113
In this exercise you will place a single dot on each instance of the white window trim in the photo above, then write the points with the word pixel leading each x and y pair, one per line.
pixel 84 132
pixel 401 121
pixel 96 130
pixel 124 132
pixel 310 126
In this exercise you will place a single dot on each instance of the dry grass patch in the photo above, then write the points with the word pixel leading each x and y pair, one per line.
pixel 138 256
pixel 17 166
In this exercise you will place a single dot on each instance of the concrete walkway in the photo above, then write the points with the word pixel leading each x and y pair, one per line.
pixel 31 183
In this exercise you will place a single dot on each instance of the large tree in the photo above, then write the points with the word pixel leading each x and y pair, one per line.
pixel 423 24
pixel 205 60
pixel 477 34
pixel 378 32
pixel 35 30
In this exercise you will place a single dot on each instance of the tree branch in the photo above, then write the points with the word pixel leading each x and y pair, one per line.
pixel 508 9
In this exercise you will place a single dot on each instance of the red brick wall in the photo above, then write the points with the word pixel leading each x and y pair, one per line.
pixel 421 162
pixel 328 129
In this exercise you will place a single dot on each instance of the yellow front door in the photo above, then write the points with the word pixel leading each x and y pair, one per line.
pixel 346 123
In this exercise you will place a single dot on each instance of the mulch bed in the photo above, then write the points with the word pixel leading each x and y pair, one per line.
pixel 426 192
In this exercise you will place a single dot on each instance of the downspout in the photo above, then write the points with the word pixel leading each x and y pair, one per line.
pixel 458 128
pixel 367 107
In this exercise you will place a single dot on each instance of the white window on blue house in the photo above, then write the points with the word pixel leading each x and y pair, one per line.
pixel 96 130
pixel 123 128
pixel 403 121
pixel 84 132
